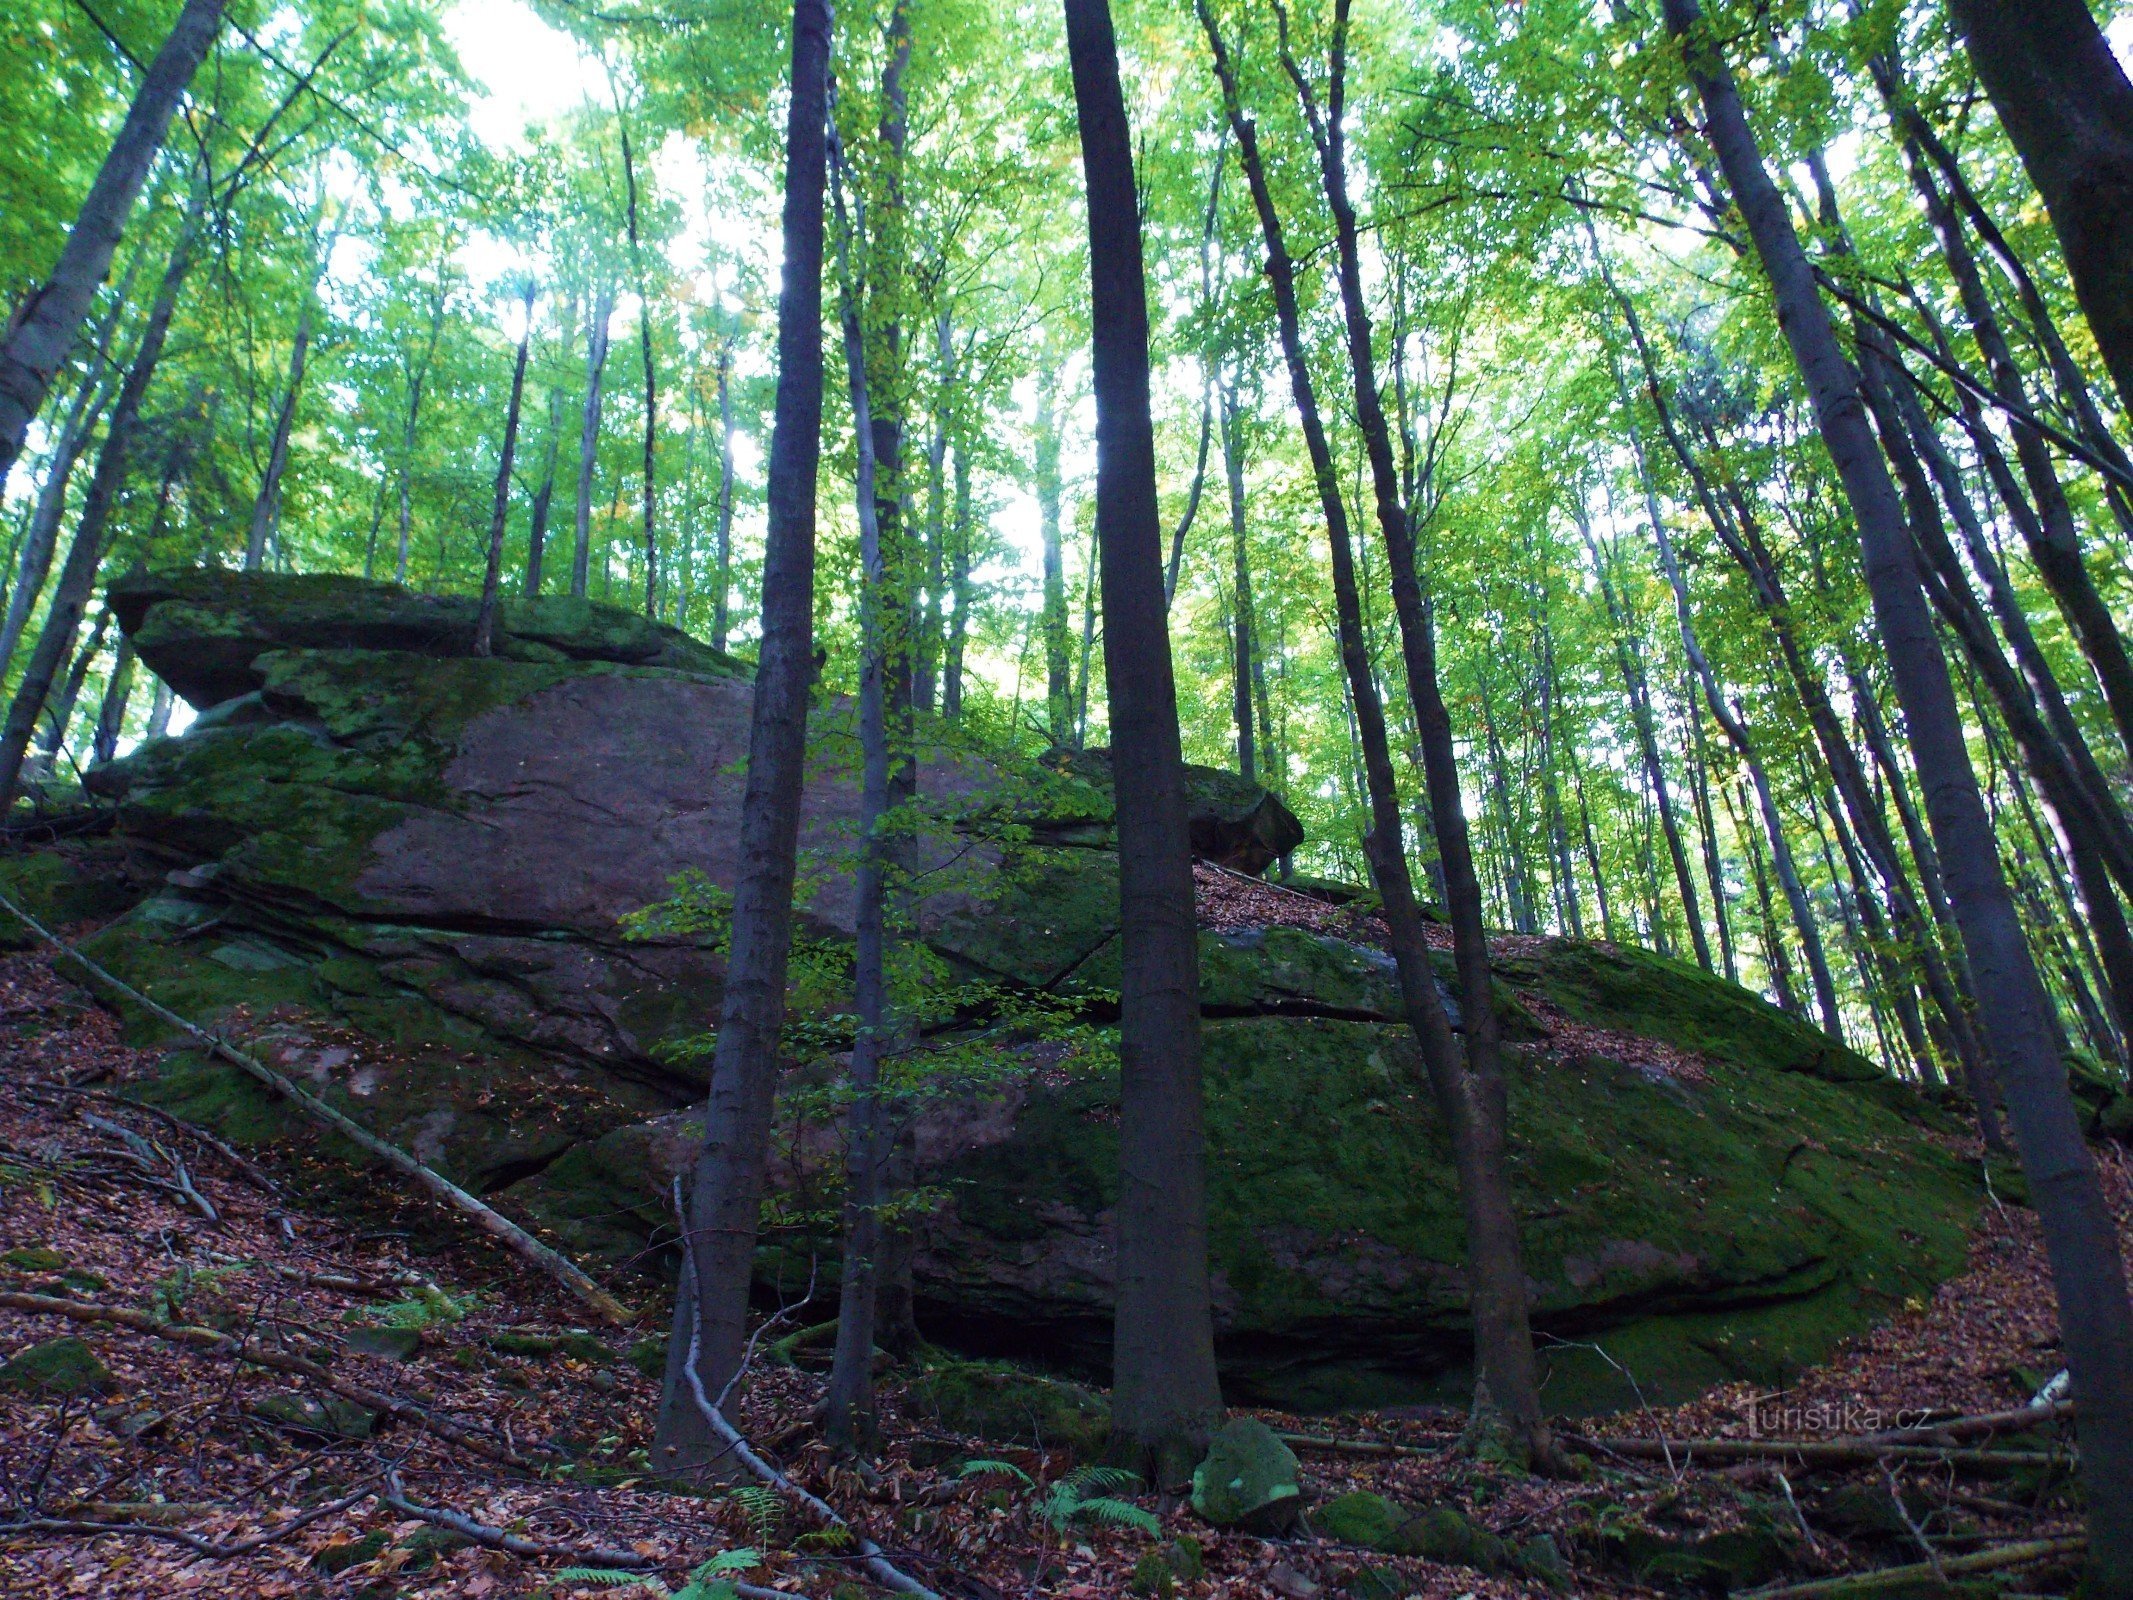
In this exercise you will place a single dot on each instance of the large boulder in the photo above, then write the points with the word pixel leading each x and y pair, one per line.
pixel 402 873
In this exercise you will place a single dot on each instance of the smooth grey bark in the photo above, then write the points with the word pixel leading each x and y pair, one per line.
pixel 721 607
pixel 160 706
pixel 500 505
pixel 711 1303
pixel 45 326
pixel 1165 1396
pixel 603 311
pixel 1244 653
pixel 2068 107
pixel 41 538
pixel 111 713
pixel 1468 1092
pixel 1058 647
pixel 850 1424
pixel 651 375
pixel 417 384
pixel 2096 1319
pixel 543 503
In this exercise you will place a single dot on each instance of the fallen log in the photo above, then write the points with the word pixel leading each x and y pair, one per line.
pixel 492 1222
pixel 1822 1452
pixel 1982 1425
pixel 1354 1447
pixel 1864 1583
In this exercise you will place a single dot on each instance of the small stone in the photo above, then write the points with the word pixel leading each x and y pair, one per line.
pixel 1290 1584
pixel 1442 1534
pixel 1541 1557
pixel 57 1369
pixel 1247 1480
pixel 394 1344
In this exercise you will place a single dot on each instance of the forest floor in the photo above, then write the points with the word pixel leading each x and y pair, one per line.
pixel 192 1473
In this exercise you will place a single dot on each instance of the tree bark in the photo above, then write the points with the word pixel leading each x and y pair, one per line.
pixel 500 507
pixel 1165 1394
pixel 45 326
pixel 111 714
pixel 1469 1093
pixel 2067 106
pixel 2080 1237
pixel 1240 559
pixel 603 311
pixel 721 612
pixel 711 1304
pixel 1058 647
pixel 266 505
pixel 651 377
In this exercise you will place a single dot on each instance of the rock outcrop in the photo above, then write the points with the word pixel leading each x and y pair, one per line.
pixel 404 872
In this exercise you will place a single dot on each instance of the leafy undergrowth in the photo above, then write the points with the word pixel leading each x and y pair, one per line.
pixel 182 1446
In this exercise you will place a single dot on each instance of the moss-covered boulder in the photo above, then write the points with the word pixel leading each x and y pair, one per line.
pixel 57 1369
pixel 1247 1479
pixel 401 873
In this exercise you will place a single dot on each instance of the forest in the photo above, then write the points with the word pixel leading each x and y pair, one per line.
pixel 1247 798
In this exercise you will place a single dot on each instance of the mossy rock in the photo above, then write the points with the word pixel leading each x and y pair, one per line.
pixel 34 1258
pixel 1004 1404
pixel 1715 1563
pixel 649 1357
pixel 57 1369
pixel 1361 1517
pixel 1447 1535
pixel 1248 1479
pixel 391 1344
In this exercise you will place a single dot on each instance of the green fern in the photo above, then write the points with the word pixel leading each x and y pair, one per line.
pixel 615 1578
pixel 987 1469
pixel 1091 1494
pixel 706 1582
pixel 761 1506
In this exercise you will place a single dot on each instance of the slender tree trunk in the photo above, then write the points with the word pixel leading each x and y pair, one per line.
pixel 2081 1241
pixel 45 326
pixel 417 386
pixel 720 609
pixel 958 589
pixel 159 709
pixel 1469 1092
pixel 603 311
pixel 651 377
pixel 111 714
pixel 1058 656
pixel 543 500
pixel 77 576
pixel 1165 1395
pixel 41 538
pixel 59 718
pixel 500 508
pixel 711 1305
pixel 1713 867
pixel 2065 102
pixel 1240 557
pixel 850 1425
pixel 266 506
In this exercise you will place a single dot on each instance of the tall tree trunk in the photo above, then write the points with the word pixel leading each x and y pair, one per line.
pixel 603 310
pixel 958 589
pixel 77 576
pixel 417 385
pixel 1469 1092
pixel 500 507
pixel 711 1304
pixel 46 324
pixel 159 709
pixel 926 691
pixel 266 506
pixel 2081 1241
pixel 1713 867
pixel 1645 724
pixel 41 538
pixel 1240 559
pixel 59 718
pixel 850 1425
pixel 543 501
pixel 651 375
pixel 721 607
pixel 1058 649
pixel 2065 102
pixel 111 714
pixel 1165 1395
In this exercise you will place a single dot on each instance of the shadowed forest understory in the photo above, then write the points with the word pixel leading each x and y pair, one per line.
pixel 1217 800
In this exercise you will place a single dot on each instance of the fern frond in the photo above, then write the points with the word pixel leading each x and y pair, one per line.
pixel 982 1469
pixel 614 1578
pixel 1119 1513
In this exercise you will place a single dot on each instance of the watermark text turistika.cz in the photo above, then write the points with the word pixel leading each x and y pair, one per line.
pixel 1775 1414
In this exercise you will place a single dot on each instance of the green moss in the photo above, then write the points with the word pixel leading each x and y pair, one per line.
pixel 1360 1517
pixel 34 1258
pixel 57 1369
pixel 1003 1404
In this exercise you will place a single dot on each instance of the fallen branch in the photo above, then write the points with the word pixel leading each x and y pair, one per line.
pixel 209 1339
pixel 1981 1426
pixel 871 1555
pixel 1818 1452
pixel 512 1545
pixel 192 1541
pixel 192 1130
pixel 1354 1447
pixel 1862 1583
pixel 497 1226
